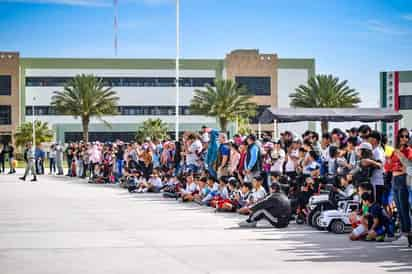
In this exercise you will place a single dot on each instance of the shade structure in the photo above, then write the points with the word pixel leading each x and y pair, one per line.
pixel 288 115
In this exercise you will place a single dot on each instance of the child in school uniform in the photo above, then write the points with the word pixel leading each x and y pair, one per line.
pixel 258 194
pixel 222 195
pixel 191 189
pixel 230 204
pixel 213 189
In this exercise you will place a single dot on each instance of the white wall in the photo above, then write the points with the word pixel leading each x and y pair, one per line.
pixel 405 88
pixel 288 81
pixel 125 119
pixel 132 96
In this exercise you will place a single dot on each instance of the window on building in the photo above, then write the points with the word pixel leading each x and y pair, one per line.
pixel 390 91
pixel 390 83
pixel 5 85
pixel 405 102
pixel 122 110
pixel 5 115
pixel 255 85
pixel 123 81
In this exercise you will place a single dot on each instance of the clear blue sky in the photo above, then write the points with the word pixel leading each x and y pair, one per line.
pixel 353 40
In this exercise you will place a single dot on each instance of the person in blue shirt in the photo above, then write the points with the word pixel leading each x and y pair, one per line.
pixel 253 165
pixel 212 152
pixel 39 156
pixel 223 156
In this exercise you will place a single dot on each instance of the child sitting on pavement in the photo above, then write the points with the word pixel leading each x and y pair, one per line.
pixel 191 189
pixel 373 221
pixel 257 195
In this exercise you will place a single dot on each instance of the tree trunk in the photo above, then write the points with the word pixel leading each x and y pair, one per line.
pixel 223 124
pixel 324 126
pixel 85 124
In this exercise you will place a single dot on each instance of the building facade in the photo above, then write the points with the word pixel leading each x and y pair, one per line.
pixel 146 88
pixel 10 108
pixel 396 94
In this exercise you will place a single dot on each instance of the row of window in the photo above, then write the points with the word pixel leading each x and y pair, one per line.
pixel 123 81
pixel 5 115
pixel 405 102
pixel 259 86
pixel 122 110
pixel 106 136
pixel 5 85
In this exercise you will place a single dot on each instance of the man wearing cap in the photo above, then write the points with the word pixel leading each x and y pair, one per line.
pixel 252 162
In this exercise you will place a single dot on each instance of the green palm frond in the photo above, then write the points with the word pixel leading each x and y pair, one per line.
pixel 225 101
pixel 86 97
pixel 325 91
pixel 24 133
pixel 154 129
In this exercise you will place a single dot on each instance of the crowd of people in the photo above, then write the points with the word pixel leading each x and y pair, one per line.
pixel 255 176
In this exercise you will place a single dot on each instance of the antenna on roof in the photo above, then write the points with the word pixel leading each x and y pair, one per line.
pixel 115 26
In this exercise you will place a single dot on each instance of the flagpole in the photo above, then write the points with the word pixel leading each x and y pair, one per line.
pixel 177 71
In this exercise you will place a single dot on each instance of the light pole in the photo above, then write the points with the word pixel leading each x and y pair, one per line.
pixel 177 71
pixel 34 127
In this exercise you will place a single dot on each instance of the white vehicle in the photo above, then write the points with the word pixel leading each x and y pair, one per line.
pixel 337 220
pixel 316 199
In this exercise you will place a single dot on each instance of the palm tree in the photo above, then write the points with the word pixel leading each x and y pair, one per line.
pixel 85 97
pixel 226 100
pixel 24 133
pixel 154 129
pixel 325 91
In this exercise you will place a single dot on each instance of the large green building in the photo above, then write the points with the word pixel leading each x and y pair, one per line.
pixel 146 88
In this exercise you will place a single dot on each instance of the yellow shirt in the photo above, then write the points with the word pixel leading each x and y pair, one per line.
pixel 388 151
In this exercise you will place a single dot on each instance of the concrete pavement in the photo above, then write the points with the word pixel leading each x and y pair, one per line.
pixel 64 225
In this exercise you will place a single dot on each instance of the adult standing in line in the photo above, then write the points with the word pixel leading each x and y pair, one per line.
pixel 29 159
pixel 399 186
pixel 119 158
pixel 69 158
pixel 10 152
pixel 377 178
pixel 223 157
pixel 59 159
pixel 52 159
pixel 253 165
pixel 212 151
pixel 2 157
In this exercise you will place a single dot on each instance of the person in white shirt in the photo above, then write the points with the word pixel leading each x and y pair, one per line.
pixel 292 159
pixel 278 158
pixel 194 150
pixel 377 179
pixel 52 159
pixel 154 183
pixel 190 190
pixel 259 191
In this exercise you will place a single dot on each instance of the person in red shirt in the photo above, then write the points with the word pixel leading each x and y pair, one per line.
pixel 400 188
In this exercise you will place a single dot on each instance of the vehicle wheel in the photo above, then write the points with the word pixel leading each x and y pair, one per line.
pixel 300 220
pixel 311 214
pixel 316 219
pixel 337 226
